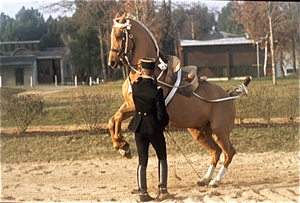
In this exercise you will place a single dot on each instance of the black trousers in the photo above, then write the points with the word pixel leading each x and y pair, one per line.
pixel 157 141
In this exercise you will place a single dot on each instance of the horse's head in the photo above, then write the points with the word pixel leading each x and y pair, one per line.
pixel 120 44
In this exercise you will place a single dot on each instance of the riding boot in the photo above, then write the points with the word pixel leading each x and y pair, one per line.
pixel 142 184
pixel 163 178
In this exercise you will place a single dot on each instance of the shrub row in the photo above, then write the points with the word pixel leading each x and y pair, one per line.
pixel 94 109
pixel 267 103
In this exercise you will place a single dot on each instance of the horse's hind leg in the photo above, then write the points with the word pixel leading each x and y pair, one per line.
pixel 229 152
pixel 204 138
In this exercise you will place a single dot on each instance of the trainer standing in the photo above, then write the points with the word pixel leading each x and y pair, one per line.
pixel 148 124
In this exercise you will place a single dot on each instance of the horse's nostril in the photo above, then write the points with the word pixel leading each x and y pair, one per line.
pixel 112 64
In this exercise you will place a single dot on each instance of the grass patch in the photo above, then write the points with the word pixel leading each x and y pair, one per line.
pixel 82 146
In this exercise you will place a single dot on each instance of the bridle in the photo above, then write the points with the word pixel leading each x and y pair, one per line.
pixel 124 50
pixel 126 36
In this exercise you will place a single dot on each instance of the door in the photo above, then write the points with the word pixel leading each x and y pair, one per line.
pixel 19 73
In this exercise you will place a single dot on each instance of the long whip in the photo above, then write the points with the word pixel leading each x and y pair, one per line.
pixel 188 160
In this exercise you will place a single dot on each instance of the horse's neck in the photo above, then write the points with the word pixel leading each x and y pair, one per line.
pixel 133 76
pixel 144 44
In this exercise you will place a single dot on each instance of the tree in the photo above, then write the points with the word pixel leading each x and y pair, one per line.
pixel 52 37
pixel 83 45
pixel 164 31
pixel 263 21
pixel 7 28
pixel 30 25
pixel 226 23
pixel 193 21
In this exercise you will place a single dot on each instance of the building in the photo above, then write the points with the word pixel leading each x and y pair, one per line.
pixel 27 63
pixel 224 58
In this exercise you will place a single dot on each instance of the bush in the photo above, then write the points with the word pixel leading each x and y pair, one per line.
pixel 290 107
pixel 22 109
pixel 243 108
pixel 91 109
pixel 264 103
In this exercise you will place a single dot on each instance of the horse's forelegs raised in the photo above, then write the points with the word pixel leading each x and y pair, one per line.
pixel 204 138
pixel 115 122
pixel 229 152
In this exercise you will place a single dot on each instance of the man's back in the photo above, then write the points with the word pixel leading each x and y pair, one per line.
pixel 151 114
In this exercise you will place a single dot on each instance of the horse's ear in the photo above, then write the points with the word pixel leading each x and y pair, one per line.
pixel 122 19
pixel 117 15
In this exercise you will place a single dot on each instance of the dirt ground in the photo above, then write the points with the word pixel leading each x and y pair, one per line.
pixel 257 177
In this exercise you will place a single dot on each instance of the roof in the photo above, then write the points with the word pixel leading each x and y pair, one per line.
pixel 21 42
pixel 17 60
pixel 222 41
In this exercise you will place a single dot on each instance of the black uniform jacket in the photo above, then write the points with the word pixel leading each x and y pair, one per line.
pixel 151 115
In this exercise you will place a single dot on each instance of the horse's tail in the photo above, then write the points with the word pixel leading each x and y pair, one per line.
pixel 242 88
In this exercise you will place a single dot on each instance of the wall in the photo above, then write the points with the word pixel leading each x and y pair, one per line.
pixel 223 60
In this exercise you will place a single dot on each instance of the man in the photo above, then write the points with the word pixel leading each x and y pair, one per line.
pixel 148 124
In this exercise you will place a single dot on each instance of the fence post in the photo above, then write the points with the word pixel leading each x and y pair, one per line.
pixel 90 81
pixel 75 80
pixel 97 81
pixel 30 81
pixel 55 80
pixel 0 81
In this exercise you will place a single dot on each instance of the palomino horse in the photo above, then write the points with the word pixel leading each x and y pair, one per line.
pixel 203 119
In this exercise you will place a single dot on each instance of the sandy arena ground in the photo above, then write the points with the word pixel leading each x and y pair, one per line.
pixel 260 177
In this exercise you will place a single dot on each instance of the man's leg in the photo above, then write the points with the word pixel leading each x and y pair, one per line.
pixel 143 147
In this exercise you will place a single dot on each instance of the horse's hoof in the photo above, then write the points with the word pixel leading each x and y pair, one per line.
pixel 214 184
pixel 201 184
pixel 128 154
pixel 125 151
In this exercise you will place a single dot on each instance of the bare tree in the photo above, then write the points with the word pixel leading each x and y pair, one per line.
pixel 265 19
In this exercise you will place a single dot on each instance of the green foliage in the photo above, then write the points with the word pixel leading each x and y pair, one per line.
pixel 52 38
pixel 226 23
pixel 29 24
pixel 84 51
pixel 22 109
pixel 193 22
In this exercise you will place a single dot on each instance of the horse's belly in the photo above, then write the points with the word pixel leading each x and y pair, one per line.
pixel 187 113
pixel 195 113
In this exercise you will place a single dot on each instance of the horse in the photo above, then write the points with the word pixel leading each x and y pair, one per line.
pixel 209 120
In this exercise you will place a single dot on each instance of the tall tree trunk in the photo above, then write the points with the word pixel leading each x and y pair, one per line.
pixel 109 70
pixel 294 56
pixel 281 64
pixel 101 52
pixel 272 43
pixel 266 58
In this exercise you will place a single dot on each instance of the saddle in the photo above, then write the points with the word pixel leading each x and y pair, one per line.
pixel 188 81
